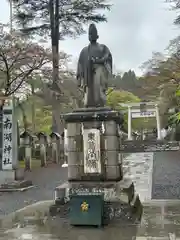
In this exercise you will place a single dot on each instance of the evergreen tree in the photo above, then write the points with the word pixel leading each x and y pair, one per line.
pixel 42 17
pixel 175 4
pixel 57 19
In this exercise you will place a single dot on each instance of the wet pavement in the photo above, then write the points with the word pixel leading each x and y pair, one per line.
pixel 157 179
pixel 161 220
pixel 45 181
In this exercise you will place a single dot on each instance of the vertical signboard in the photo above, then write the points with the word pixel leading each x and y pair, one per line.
pixel 7 143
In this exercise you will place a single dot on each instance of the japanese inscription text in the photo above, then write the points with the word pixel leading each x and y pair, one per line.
pixel 7 141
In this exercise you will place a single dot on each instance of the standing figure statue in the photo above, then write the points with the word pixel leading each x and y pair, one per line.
pixel 94 70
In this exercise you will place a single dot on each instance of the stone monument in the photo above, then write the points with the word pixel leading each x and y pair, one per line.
pixel 96 192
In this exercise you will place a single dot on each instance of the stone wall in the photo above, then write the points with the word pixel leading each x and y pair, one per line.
pixel 139 167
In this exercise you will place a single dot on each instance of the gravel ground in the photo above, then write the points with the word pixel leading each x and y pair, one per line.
pixel 166 176
pixel 45 181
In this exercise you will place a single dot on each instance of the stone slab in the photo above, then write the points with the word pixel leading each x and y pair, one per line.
pixel 138 167
pixel 149 146
pixel 91 109
pixel 16 189
pixel 7 176
pixel 16 184
pixel 122 190
pixel 155 175
pixel 94 115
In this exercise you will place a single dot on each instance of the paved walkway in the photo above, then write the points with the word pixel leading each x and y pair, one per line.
pixel 155 176
pixel 45 181
pixel 159 222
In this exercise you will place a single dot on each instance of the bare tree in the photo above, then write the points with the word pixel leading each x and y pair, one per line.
pixel 19 58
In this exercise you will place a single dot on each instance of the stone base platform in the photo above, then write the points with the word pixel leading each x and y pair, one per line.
pixel 121 204
pixel 16 186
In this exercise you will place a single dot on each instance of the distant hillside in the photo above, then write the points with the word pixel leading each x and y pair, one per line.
pixel 129 82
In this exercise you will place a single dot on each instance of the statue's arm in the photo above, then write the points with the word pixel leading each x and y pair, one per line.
pixel 107 57
pixel 79 67
pixel 107 54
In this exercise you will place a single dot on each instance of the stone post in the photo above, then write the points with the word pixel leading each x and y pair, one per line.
pixel 61 149
pixel 55 137
pixel 158 123
pixel 73 150
pixel 15 129
pixel 43 141
pixel 129 124
pixel 27 139
pixel 65 149
pixel 113 167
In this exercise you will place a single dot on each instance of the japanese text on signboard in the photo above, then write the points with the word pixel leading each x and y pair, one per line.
pixel 7 141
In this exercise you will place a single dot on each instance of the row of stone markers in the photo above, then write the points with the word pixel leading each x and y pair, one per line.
pixel 54 142
pixel 9 139
pixel 10 146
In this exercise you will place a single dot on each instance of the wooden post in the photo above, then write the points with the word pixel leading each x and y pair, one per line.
pixel 43 141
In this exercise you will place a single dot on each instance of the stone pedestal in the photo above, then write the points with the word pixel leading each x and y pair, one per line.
pixel 121 203
pixel 93 145
pixel 94 169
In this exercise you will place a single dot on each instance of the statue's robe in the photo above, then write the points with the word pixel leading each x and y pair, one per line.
pixel 94 77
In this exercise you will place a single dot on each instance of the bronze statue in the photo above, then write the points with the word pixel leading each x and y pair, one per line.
pixel 94 70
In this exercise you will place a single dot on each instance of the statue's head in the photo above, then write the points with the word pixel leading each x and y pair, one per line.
pixel 93 34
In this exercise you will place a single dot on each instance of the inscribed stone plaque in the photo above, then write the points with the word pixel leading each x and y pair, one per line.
pixel 91 142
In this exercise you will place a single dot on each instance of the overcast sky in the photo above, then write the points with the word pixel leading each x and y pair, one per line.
pixel 134 30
